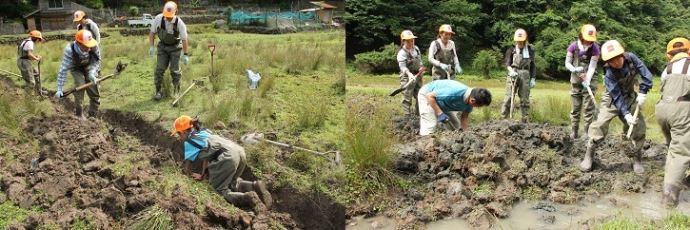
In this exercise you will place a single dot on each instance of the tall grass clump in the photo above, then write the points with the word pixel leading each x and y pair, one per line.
pixel 552 109
pixel 153 217
pixel 310 114
pixel 367 138
pixel 676 220
pixel 620 222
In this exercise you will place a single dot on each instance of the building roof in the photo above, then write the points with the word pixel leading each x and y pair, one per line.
pixel 323 5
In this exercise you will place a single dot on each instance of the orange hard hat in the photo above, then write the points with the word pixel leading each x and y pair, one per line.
pixel 85 38
pixel 169 9
pixel 36 34
pixel 79 15
pixel 182 123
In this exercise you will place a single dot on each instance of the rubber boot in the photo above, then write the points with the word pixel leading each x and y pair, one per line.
pixel 245 200
pixel 574 132
pixel 157 96
pixel 586 136
pixel 79 113
pixel 261 189
pixel 638 167
pixel 176 90
pixel 586 164
pixel 670 196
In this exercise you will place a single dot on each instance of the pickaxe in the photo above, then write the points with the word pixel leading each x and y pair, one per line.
pixel 118 69
pixel 253 138
pixel 512 95
pixel 10 73
pixel 410 82
pixel 194 82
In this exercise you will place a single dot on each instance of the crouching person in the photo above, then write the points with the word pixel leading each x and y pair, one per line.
pixel 225 161
pixel 441 100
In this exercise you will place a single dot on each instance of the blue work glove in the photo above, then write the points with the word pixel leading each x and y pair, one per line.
pixel 444 67
pixel 151 51
pixel 458 69
pixel 443 118
pixel 185 59
pixel 93 79
pixel 578 69
pixel 532 83
pixel 58 94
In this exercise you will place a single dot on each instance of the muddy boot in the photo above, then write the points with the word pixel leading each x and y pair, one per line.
pixel 586 164
pixel 574 132
pixel 586 136
pixel 79 113
pixel 638 167
pixel 176 89
pixel 670 196
pixel 157 96
pixel 245 200
pixel 261 189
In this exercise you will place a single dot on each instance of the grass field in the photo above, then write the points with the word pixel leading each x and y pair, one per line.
pixel 300 98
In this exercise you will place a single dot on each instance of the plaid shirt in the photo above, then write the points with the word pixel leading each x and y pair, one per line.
pixel 68 64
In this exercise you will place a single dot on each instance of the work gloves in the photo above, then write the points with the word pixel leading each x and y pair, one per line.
pixel 630 120
pixel 58 94
pixel 443 118
pixel 445 67
pixel 93 79
pixel 512 73
pixel 578 69
pixel 532 83
pixel 641 98
pixel 458 69
pixel 151 51
pixel 185 59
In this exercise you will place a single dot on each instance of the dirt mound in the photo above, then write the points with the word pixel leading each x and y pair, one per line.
pixel 478 175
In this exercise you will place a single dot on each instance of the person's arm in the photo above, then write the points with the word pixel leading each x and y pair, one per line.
pixel 646 76
pixel 431 98
pixel 532 65
pixel 95 65
pixel 183 36
pixel 508 59
pixel 204 167
pixel 591 68
pixel 465 121
pixel 401 57
pixel 32 56
pixel 569 62
pixel 153 30
pixel 456 60
pixel 64 66
pixel 615 92
pixel 432 51
pixel 96 32
pixel 187 167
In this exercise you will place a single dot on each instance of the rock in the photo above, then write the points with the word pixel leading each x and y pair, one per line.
pixel 547 218
pixel 454 188
pixel 219 125
pixel 92 166
pixel 112 202
pixel 140 202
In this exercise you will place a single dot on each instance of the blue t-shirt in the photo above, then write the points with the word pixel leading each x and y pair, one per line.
pixel 450 95
pixel 191 151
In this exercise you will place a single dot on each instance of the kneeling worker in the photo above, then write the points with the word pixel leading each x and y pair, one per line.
pixel 441 100
pixel 225 161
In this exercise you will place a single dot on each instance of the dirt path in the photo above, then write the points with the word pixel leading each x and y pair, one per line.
pixel 479 175
pixel 81 177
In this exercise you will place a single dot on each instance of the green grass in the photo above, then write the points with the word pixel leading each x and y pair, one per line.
pixel 672 221
pixel 11 214
pixel 153 217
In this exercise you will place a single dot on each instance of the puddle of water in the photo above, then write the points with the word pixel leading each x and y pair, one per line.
pixel 643 206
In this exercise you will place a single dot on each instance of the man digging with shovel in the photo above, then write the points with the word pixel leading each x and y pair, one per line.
pixel 441 100
pixel 83 59
pixel 619 100
pixel 225 161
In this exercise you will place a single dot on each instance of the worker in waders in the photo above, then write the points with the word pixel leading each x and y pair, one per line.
pixel 581 60
pixel 442 55
pixel 410 62
pixel 225 161
pixel 620 100
pixel 172 36
pixel 673 115
pixel 85 23
pixel 25 54
pixel 522 74
pixel 83 59
pixel 442 100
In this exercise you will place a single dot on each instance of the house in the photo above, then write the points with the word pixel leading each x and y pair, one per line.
pixel 324 11
pixel 54 15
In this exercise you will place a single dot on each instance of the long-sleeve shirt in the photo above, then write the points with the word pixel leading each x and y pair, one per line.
pixel 433 50
pixel 93 27
pixel 509 60
pixel 68 63
pixel 617 92
pixel 404 55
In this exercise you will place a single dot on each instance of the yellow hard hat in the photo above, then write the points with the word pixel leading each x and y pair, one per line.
pixel 445 28
pixel 677 43
pixel 169 9
pixel 589 33
pixel 520 35
pixel 611 49
pixel 407 34
pixel 36 34
pixel 79 15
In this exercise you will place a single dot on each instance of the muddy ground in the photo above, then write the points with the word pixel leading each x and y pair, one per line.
pixel 478 175
pixel 76 179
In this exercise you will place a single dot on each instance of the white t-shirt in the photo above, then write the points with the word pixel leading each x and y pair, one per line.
pixel 29 45
pixel 181 27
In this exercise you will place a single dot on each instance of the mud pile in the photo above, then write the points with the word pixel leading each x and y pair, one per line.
pixel 478 175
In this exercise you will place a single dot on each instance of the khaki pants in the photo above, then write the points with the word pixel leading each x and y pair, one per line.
pixel 522 89
pixel 607 112
pixel 674 119
pixel 92 92
pixel 427 116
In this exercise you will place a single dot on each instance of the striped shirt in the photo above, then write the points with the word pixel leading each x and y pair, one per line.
pixel 68 64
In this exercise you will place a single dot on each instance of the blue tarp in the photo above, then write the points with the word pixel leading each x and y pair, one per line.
pixel 245 17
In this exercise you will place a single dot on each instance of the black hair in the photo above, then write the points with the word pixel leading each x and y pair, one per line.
pixel 482 96
pixel 196 124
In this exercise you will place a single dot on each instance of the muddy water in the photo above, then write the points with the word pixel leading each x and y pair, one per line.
pixel 536 215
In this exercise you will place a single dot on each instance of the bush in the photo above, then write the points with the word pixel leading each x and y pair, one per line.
pixel 485 61
pixel 133 11
pixel 381 61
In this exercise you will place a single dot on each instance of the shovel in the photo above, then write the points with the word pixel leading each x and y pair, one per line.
pixel 118 69
pixel 253 138
pixel 212 49
pixel 512 96
pixel 630 129
pixel 194 82
pixel 37 78
pixel 10 73
pixel 410 82
pixel 589 91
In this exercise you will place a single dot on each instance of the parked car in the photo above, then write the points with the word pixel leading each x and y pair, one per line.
pixel 145 21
